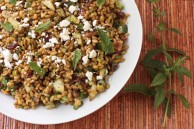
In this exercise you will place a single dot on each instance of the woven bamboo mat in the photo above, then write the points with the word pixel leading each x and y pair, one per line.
pixel 134 111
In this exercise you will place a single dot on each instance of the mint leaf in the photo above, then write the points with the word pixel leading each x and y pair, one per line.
pixel 100 2
pixel 168 56
pixel 159 79
pixel 176 51
pixel 106 43
pixel 184 101
pixel 76 57
pixel 175 30
pixel 43 27
pixel 154 64
pixel 149 55
pixel 161 26
pixel 152 72
pixel 36 68
pixel 7 26
pixel 153 1
pixel 139 88
pixel 12 1
pixel 159 96
pixel 182 71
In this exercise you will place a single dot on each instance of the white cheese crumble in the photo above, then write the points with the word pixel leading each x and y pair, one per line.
pixel 3 7
pixel 26 19
pixel 53 40
pixel 15 56
pixel 18 3
pixel 87 26
pixel 88 42
pixel 7 58
pixel 48 45
pixel 43 34
pixel 74 1
pixel 89 75
pixel 1 36
pixel 39 62
pixel 57 4
pixel 85 59
pixel 94 23
pixel 80 17
pixel 92 54
pixel 28 59
pixel 1 61
pixel 65 34
pixel 24 25
pixel 99 77
pixel 19 62
pixel 64 23
pixel 32 34
pixel 72 9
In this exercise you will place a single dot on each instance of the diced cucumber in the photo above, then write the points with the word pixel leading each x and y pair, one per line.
pixel 73 19
pixel 78 103
pixel 60 12
pixel 13 22
pixel 49 4
pixel 119 5
pixel 77 35
pixel 123 29
pixel 64 99
pixel 59 85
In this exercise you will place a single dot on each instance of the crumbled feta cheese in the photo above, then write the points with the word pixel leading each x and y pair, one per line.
pixel 48 45
pixel 65 34
pixel 99 77
pixel 19 62
pixel 88 42
pixel 100 27
pixel 94 23
pixel 28 59
pixel 92 54
pixel 72 9
pixel 53 40
pixel 86 81
pixel 43 34
pixel 64 23
pixel 32 34
pixel 39 62
pixel 63 61
pixel 89 75
pixel 74 1
pixel 80 17
pixel 1 61
pixel 58 60
pixel 15 56
pixel 3 7
pixel 30 53
pixel 7 58
pixel 1 36
pixel 57 4
pixel 65 5
pixel 87 26
pixel 26 19
pixel 18 3
pixel 85 59
pixel 25 25
pixel 53 58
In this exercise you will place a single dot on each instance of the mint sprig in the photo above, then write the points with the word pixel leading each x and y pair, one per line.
pixel 162 69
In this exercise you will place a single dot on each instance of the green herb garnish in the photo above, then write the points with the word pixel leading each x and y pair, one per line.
pixel 43 27
pixel 37 69
pixel 12 1
pixel 28 3
pixel 4 82
pixel 76 57
pixel 100 2
pixel 7 26
pixel 162 71
pixel 106 43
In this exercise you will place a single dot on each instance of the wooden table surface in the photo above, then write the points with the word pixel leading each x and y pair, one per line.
pixel 134 111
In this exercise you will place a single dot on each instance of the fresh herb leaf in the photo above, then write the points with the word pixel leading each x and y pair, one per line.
pixel 176 51
pixel 159 79
pixel 152 72
pixel 43 27
pixel 183 71
pixel 36 68
pixel 106 43
pixel 168 56
pixel 80 26
pixel 161 26
pixel 175 30
pixel 12 1
pixel 4 82
pixel 7 26
pixel 28 3
pixel 76 57
pixel 159 97
pixel 154 63
pixel 139 88
pixel 152 53
pixel 100 2
pixel 184 101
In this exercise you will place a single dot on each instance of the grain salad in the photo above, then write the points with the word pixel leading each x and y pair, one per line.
pixel 59 51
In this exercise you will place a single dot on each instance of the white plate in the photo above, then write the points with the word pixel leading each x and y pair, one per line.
pixel 67 113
